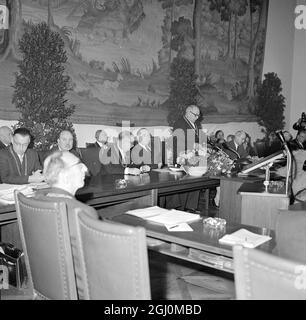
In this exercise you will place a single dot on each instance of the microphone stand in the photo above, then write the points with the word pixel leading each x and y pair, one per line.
pixel 289 160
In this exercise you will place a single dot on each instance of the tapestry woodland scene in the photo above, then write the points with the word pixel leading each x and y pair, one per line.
pixel 132 59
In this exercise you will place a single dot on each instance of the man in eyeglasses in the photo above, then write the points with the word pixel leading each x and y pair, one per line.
pixel 189 121
pixel 65 174
pixel 18 163
pixel 190 127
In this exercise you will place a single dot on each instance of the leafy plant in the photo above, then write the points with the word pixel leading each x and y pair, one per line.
pixel 41 85
pixel 270 104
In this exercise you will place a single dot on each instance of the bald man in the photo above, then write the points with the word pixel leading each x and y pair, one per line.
pixel 189 124
pixel 5 136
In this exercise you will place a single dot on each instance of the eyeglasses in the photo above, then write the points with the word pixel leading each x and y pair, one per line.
pixel 195 114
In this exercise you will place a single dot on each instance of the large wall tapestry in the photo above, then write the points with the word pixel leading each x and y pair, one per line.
pixel 120 52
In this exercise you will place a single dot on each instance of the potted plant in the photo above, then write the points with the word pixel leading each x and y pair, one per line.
pixel 270 108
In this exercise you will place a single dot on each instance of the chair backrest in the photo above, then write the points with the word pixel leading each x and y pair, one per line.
pixel 290 234
pixel 114 259
pixel 46 243
pixel 263 276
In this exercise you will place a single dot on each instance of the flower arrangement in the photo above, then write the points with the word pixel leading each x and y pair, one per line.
pixel 194 158
pixel 219 162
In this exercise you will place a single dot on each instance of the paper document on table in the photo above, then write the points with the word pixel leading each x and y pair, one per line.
pixel 245 238
pixel 164 216
pixel 174 217
pixel 7 191
pixel 147 212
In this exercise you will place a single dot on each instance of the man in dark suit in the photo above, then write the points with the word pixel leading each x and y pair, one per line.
pixel 299 142
pixel 188 126
pixel 235 148
pixel 101 140
pixel 147 151
pixel 18 164
pixel 5 136
pixel 116 159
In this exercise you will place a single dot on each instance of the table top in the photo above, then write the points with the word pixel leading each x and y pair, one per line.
pixel 164 180
pixel 201 238
pixel 102 187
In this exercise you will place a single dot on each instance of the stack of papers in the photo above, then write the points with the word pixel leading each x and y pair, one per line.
pixel 7 191
pixel 174 220
pixel 245 238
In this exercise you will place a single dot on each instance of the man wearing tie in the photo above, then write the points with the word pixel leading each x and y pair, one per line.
pixel 147 151
pixel 235 148
pixel 18 164
pixel 116 159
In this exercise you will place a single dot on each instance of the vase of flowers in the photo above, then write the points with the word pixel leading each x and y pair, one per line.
pixel 194 161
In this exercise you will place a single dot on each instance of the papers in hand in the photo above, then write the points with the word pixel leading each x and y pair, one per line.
pixel 245 238
pixel 174 220
pixel 7 191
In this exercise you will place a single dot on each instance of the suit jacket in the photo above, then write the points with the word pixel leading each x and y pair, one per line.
pixel 14 172
pixel 295 145
pixel 186 126
pixel 231 150
pixel 93 145
pixel 112 162
pixel 45 154
pixel 150 156
pixel 2 145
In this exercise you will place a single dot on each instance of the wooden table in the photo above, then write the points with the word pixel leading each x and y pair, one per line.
pixel 100 191
pixel 200 246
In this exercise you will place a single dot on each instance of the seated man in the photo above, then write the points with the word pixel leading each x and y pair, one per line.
pixel 65 174
pixel 5 136
pixel 116 159
pixel 101 140
pixel 64 143
pixel 235 148
pixel 147 151
pixel 18 163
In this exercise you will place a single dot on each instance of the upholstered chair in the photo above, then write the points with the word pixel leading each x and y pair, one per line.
pixel 290 233
pixel 46 244
pixel 263 276
pixel 114 259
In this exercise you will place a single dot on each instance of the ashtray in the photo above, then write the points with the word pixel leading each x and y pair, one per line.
pixel 120 183
pixel 215 223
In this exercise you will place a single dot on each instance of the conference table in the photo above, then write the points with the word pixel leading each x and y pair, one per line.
pixel 200 246
pixel 105 190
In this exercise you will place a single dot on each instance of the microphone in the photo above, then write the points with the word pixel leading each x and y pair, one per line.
pixel 225 146
pixel 280 136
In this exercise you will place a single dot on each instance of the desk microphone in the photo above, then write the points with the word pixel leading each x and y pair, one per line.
pixel 280 136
